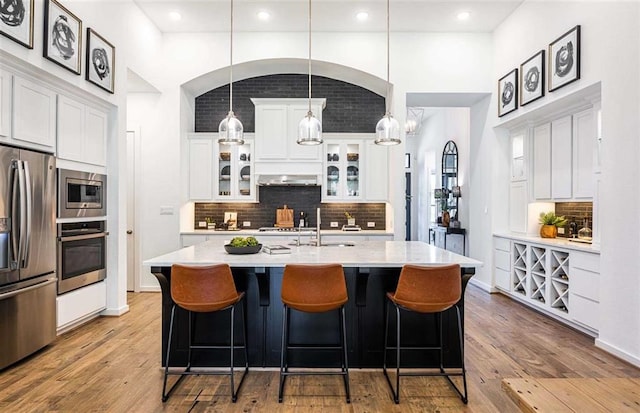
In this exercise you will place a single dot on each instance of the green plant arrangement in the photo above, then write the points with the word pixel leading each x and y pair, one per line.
pixel 550 218
pixel 550 223
pixel 348 215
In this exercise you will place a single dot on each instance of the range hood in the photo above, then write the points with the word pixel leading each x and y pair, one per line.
pixel 287 180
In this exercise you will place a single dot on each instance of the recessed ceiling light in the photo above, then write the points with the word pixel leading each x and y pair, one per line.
pixel 263 15
pixel 464 15
pixel 362 16
pixel 175 16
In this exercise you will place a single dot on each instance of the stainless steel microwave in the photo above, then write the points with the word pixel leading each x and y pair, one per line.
pixel 81 194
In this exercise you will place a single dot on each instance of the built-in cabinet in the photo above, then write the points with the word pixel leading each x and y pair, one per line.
pixel 33 115
pixel 220 172
pixel 559 281
pixel 81 305
pixel 355 169
pixel 188 240
pixel 276 131
pixel 563 158
pixel 6 86
pixel 82 132
pixel 448 238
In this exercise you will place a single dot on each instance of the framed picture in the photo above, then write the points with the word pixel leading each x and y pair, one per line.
pixel 16 21
pixel 564 59
pixel 532 78
pixel 99 68
pixel 508 93
pixel 62 36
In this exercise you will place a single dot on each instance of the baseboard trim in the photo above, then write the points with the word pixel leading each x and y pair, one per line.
pixel 115 312
pixel 483 286
pixel 150 289
pixel 621 354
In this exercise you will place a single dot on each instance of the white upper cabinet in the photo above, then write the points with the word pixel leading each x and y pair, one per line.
pixel 542 162
pixel 518 157
pixel 561 158
pixel 276 132
pixel 82 132
pixel 376 172
pixel 584 150
pixel 34 115
pixel 220 172
pixel 6 80
pixel 343 177
pixel 200 168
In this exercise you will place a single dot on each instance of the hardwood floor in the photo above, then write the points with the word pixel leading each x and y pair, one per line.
pixel 113 365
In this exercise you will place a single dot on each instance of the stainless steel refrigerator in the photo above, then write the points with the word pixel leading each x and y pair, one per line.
pixel 27 253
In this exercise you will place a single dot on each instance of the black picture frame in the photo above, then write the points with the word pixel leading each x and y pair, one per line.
pixel 100 61
pixel 564 59
pixel 508 93
pixel 17 23
pixel 62 36
pixel 532 84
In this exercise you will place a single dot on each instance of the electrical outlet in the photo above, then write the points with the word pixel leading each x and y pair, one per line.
pixel 202 224
pixel 371 224
pixel 560 230
pixel 334 224
pixel 246 223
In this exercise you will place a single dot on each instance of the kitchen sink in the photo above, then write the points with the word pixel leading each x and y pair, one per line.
pixel 325 244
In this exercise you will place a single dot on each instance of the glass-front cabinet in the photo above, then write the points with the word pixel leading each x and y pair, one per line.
pixel 234 178
pixel 342 176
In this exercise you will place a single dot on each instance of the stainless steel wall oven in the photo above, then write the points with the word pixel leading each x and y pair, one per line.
pixel 81 194
pixel 82 254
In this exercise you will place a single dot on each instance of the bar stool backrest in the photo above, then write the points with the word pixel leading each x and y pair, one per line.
pixel 428 289
pixel 314 288
pixel 203 288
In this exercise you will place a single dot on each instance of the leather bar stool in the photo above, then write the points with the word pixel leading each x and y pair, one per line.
pixel 425 290
pixel 313 289
pixel 206 289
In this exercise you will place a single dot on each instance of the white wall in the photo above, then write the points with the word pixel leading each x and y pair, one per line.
pixel 610 54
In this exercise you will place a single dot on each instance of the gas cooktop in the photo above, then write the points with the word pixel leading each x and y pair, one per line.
pixel 284 229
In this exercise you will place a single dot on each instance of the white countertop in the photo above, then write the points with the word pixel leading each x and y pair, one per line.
pixel 364 254
pixel 245 232
pixel 554 242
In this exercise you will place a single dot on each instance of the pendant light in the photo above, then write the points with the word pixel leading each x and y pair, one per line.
pixel 387 129
pixel 309 128
pixel 230 129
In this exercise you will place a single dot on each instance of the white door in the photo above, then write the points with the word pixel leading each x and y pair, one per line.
pixel 132 258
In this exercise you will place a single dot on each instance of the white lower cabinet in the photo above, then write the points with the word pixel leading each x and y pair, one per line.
pixel 558 281
pixel 78 306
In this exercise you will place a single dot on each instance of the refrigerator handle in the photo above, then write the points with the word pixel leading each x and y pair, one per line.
pixel 27 213
pixel 22 209
pixel 15 211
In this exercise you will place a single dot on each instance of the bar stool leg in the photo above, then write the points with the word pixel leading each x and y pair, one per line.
pixel 397 393
pixel 283 352
pixel 234 396
pixel 165 393
pixel 345 363
pixel 464 397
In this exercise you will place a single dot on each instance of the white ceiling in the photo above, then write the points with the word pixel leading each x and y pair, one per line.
pixel 328 15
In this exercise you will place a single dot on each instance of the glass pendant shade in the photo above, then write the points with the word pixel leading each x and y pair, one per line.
pixel 387 131
pixel 231 130
pixel 309 130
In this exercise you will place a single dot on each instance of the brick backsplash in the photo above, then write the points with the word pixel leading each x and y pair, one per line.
pixel 350 108
pixel 305 199
pixel 577 212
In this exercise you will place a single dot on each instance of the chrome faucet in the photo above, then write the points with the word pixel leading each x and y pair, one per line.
pixel 318 228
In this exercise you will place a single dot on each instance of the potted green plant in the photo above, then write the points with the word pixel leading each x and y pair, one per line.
pixel 550 223
pixel 351 220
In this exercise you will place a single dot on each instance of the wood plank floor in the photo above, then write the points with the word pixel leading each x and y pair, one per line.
pixel 112 364
pixel 609 395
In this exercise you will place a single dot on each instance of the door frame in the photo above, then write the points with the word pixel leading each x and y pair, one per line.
pixel 137 244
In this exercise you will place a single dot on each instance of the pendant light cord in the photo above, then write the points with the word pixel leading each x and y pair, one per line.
pixel 231 63
pixel 388 83
pixel 309 58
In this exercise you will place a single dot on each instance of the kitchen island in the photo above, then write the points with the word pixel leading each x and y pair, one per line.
pixel 371 269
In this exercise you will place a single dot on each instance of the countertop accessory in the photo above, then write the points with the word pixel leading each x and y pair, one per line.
pixel 231 129
pixel 284 217
pixel 585 232
pixel 253 249
pixel 388 128
pixel 231 219
pixel 309 128
pixel 276 249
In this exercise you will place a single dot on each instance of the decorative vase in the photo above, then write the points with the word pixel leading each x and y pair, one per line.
pixel 351 221
pixel 446 218
pixel 548 231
